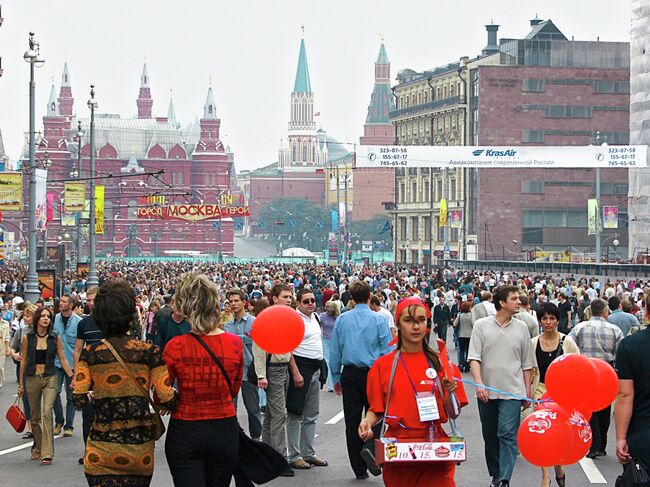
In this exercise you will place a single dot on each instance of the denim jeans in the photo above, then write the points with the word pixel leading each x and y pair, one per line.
pixel 499 423
pixel 252 404
pixel 326 355
pixel 68 422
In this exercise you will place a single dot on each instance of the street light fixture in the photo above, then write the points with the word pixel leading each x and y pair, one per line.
pixel 92 269
pixel 31 56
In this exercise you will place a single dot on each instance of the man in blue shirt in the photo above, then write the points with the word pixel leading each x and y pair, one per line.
pixel 359 338
pixel 620 318
pixel 241 325
pixel 65 324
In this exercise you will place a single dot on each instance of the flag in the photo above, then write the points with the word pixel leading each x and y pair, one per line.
pixel 443 212
pixel 99 210
pixel 385 228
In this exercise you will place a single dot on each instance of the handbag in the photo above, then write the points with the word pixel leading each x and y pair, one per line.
pixel 258 461
pixel 16 416
pixel 634 475
pixel 158 427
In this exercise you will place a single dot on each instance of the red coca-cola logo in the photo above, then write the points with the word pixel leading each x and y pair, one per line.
pixel 441 452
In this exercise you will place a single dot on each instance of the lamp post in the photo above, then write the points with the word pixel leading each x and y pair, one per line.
pixel 92 269
pixel 77 173
pixel 31 56
pixel 598 140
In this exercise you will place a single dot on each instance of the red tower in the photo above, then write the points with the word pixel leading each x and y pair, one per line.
pixel 144 100
pixel 65 94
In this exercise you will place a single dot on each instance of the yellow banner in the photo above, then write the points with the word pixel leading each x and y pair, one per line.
pixel 11 191
pixel 443 212
pixel 99 210
pixel 74 197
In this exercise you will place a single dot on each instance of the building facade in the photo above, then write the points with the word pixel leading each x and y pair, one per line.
pixel 130 155
pixel 549 90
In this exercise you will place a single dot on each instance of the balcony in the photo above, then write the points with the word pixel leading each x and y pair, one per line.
pixel 425 107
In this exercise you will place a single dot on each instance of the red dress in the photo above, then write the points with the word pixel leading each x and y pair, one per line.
pixel 404 408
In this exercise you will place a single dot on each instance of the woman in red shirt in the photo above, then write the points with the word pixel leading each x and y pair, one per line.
pixel 203 437
pixel 416 370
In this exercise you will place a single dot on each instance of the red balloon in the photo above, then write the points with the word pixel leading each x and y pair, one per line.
pixel 607 388
pixel 544 437
pixel 278 329
pixel 581 438
pixel 570 381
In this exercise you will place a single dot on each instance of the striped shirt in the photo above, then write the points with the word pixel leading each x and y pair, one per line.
pixel 597 338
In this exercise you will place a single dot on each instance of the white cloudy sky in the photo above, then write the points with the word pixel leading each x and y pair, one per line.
pixel 250 49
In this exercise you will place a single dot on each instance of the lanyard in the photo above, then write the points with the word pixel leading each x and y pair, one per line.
pixel 401 359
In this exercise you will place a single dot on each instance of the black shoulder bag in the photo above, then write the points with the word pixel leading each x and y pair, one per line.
pixel 634 475
pixel 258 461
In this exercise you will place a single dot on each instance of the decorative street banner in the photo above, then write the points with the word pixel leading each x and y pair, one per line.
pixel 342 214
pixel 335 220
pixel 74 197
pixel 587 156
pixel 443 213
pixel 456 218
pixel 99 210
pixel 594 223
pixel 49 212
pixel 41 199
pixel 610 216
pixel 11 191
pixel 46 283
pixel 193 213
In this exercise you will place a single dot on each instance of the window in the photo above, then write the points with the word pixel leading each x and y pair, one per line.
pixel 555 218
pixel 415 228
pixel 535 136
pixel 532 84
pixel 533 218
pixel 402 228
pixel 415 256
pixel 577 219
pixel 606 86
pixel 452 189
pixel 427 228
pixel 414 192
pixel 532 187
pixel 438 189
pixel 427 193
pixel 556 111
pixel 533 236
pixel 402 256
pixel 401 193
pixel 455 232
pixel 579 112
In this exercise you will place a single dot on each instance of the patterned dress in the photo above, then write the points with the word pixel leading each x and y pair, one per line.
pixel 120 447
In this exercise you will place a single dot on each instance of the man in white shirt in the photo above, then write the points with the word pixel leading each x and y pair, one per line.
pixel 375 305
pixel 304 395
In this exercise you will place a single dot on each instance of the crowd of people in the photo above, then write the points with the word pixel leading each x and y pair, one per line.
pixel 183 330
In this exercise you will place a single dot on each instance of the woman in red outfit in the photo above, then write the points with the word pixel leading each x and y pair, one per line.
pixel 413 374
pixel 202 442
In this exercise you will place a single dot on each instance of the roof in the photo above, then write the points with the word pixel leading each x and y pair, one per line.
pixel 297 252
pixel 546 30
pixel 302 84
pixel 65 77
pixel 381 103
pixel 210 108
pixel 382 57
pixel 2 146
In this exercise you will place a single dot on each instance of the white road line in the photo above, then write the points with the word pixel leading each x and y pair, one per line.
pixel 22 447
pixel 336 418
pixel 591 471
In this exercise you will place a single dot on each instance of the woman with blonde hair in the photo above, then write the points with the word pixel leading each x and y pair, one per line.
pixel 203 438
pixel 327 320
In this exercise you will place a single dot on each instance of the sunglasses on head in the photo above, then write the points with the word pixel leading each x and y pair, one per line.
pixel 308 301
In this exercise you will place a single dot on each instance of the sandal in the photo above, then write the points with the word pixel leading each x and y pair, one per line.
pixel 28 435
pixel 36 456
pixel 46 461
pixel 561 481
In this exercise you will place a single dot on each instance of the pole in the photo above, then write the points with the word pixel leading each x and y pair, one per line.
pixel 346 237
pixel 92 270
pixel 32 293
pixel 598 216
pixel 79 240
pixel 338 217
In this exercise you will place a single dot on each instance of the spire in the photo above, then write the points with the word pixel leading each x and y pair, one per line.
pixel 144 100
pixel 210 109
pixel 171 113
pixel 52 110
pixel 302 84
pixel 144 77
pixel 382 58
pixel 65 77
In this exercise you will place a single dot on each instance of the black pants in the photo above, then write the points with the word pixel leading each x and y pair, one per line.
pixel 202 453
pixel 355 403
pixel 87 416
pixel 463 344
pixel 599 423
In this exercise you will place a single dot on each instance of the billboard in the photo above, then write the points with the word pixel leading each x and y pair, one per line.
pixel 11 191
pixel 74 197
pixel 46 283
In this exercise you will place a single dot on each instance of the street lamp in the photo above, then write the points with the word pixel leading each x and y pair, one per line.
pixel 31 56
pixel 598 140
pixel 76 173
pixel 92 269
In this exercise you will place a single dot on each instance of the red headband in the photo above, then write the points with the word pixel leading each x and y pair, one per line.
pixel 401 306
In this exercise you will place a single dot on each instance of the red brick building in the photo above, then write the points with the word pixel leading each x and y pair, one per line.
pixel 548 90
pixel 197 169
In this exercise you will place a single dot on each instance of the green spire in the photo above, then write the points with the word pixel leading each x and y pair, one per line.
pixel 382 57
pixel 302 84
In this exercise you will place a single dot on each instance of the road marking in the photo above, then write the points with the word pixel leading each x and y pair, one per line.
pixel 591 471
pixel 22 447
pixel 336 418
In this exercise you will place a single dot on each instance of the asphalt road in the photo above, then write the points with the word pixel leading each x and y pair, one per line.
pixel 17 469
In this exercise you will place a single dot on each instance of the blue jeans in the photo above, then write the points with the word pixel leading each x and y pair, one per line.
pixel 499 423
pixel 326 355
pixel 69 404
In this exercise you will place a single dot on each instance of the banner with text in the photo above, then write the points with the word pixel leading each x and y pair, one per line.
pixel 193 213
pixel 74 197
pixel 99 210
pixel 456 218
pixel 610 216
pixel 502 157
pixel 11 191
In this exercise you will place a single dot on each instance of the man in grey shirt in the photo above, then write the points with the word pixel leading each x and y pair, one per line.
pixel 501 357
pixel 528 316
